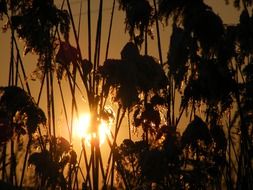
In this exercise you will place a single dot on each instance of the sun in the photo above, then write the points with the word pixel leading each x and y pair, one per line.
pixel 82 129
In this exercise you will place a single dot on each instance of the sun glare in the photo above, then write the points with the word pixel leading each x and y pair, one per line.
pixel 82 129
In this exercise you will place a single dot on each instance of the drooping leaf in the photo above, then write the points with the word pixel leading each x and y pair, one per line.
pixel 138 16
pixel 245 32
pixel 3 8
pixel 206 26
pixel 219 137
pixel 150 75
pixel 168 7
pixel 36 27
pixel 178 55
pixel 196 130
pixel 42 161
pixel 153 165
pixel 157 100
pixel 130 52
pixel 22 112
pixel 5 128
pixel 86 67
pixel 66 55
pixel 62 145
pixel 213 84
pixel 6 186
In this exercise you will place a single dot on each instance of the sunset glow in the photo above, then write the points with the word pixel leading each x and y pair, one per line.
pixel 82 129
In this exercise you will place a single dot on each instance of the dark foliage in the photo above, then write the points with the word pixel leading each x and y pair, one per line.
pixel 195 131
pixel 131 75
pixel 19 113
pixel 139 16
pixel 56 161
pixel 36 27
pixel 66 55
pixel 6 186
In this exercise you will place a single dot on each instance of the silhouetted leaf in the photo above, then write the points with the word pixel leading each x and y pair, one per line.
pixel 138 16
pixel 219 137
pixel 107 114
pixel 206 26
pixel 213 84
pixel 22 113
pixel 7 186
pixel 5 128
pixel 66 55
pixel 157 100
pixel 196 130
pixel 245 32
pixel 62 145
pixel 130 52
pixel 3 8
pixel 35 27
pixel 153 165
pixel 86 67
pixel 43 161
pixel 167 7
pixel 178 55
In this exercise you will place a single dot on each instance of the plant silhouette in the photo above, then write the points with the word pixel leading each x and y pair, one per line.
pixel 192 112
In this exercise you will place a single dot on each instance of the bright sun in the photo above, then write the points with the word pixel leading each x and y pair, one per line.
pixel 81 129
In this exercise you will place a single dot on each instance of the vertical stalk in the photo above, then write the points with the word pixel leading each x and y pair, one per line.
pixel 89 39
pixel 13 163
pixel 97 47
pixel 4 161
pixel 52 99
pixel 110 30
pixel 24 164
pixel 64 108
pixel 158 34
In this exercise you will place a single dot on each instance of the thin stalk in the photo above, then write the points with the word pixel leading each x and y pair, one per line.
pixel 129 125
pixel 114 144
pixel 73 103
pixel 52 100
pixel 86 164
pixel 79 20
pixel 24 164
pixel 101 165
pixel 78 49
pixel 158 34
pixel 17 71
pixel 146 41
pixel 4 161
pixel 64 108
pixel 48 103
pixel 11 68
pixel 13 163
pixel 97 46
pixel 89 39
pixel 76 168
pixel 22 67
pixel 110 30
pixel 41 88
pixel 229 185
